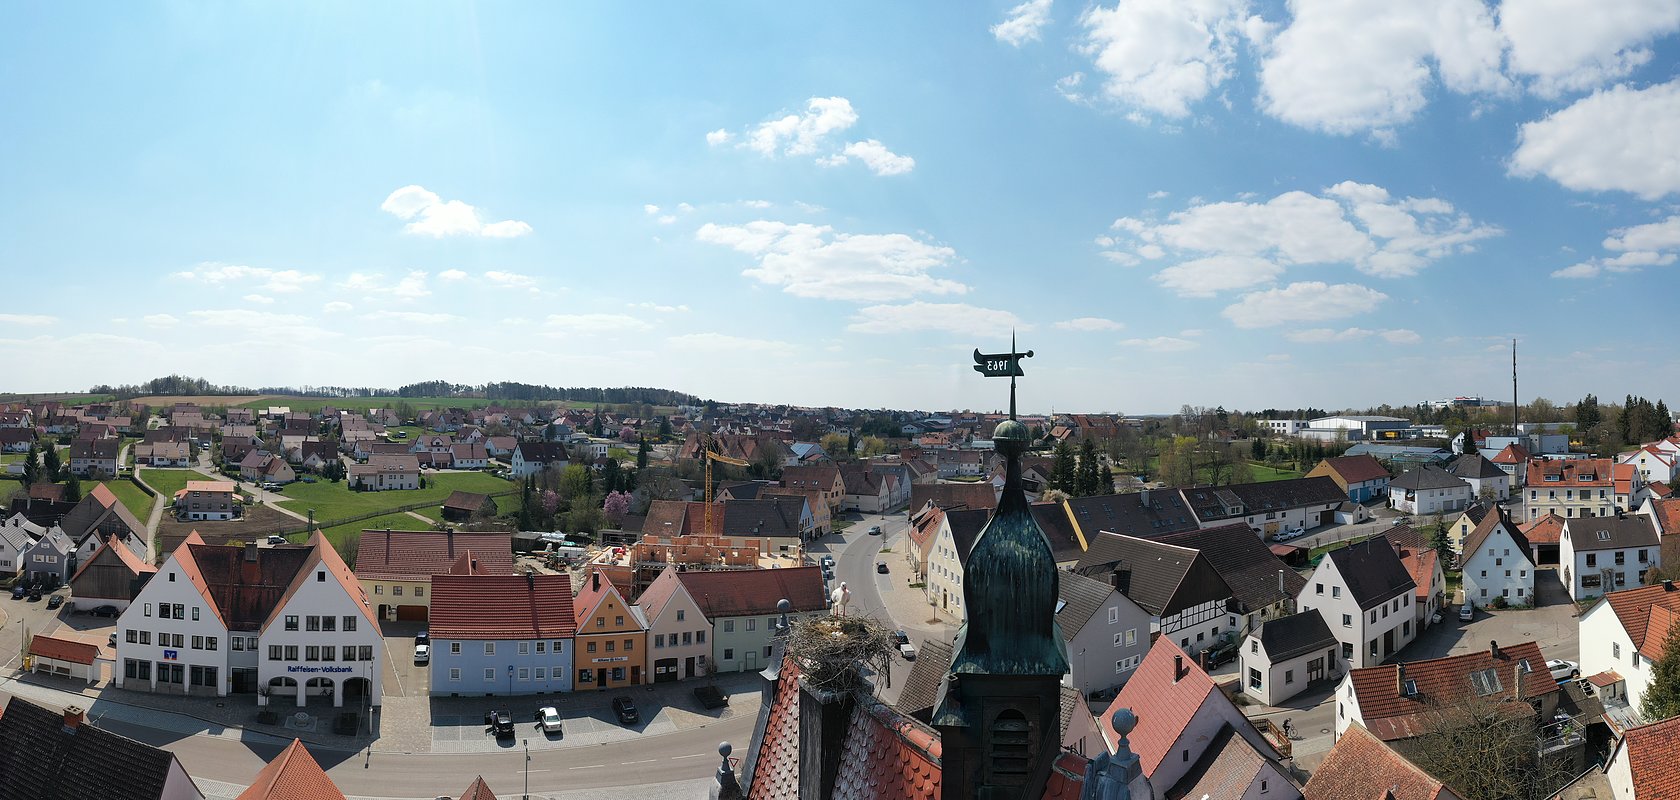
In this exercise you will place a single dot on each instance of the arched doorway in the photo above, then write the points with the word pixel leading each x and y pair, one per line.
pixel 356 691
pixel 282 689
pixel 322 687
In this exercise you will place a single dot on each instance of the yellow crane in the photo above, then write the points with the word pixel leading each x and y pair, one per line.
pixel 710 456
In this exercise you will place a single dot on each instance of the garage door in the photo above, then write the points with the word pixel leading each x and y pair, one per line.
pixel 411 613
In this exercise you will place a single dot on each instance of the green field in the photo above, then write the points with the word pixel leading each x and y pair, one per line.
pixel 1262 472
pixel 335 500
pixel 342 534
pixel 169 481
pixel 312 404
pixel 132 497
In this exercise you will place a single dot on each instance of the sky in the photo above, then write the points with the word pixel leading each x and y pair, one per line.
pixel 1207 202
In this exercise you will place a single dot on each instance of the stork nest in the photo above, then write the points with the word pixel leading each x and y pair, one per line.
pixel 830 651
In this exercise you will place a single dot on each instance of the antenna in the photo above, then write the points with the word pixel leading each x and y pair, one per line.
pixel 1514 405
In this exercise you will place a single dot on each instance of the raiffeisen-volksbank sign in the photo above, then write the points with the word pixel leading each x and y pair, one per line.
pixel 296 668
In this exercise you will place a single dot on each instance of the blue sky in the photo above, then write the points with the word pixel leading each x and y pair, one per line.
pixel 1175 201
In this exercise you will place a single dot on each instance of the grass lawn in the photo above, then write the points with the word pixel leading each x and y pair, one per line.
pixel 413 431
pixel 1320 550
pixel 169 481
pixel 343 534
pixel 132 498
pixel 1262 472
pixel 333 501
pixel 13 458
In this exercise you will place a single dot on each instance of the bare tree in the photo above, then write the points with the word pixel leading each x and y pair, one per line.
pixel 1487 747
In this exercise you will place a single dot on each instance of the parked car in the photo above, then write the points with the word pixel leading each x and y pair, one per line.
pixel 1563 670
pixel 907 650
pixel 1222 652
pixel 35 594
pixel 626 710
pixel 422 654
pixel 881 567
pixel 1467 613
pixel 112 641
pixel 19 591
pixel 900 637
pixel 500 723
pixel 273 539
pixel 549 720
pixel 55 601
pixel 874 530
pixel 104 611
pixel 423 637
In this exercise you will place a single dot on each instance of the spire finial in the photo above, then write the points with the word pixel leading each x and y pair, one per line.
pixel 998 365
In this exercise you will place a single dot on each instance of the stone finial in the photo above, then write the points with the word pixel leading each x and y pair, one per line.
pixel 784 607
pixel 727 788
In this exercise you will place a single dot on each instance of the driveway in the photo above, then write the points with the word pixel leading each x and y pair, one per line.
pixel 1553 624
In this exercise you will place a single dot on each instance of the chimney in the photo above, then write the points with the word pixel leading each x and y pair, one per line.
pixel 73 716
pixel 824 718
pixel 251 551
pixel 595 581
pixel 1668 585
pixel 1281 590
pixel 1143 497
pixel 1517 681
pixel 1178 667
pixel 1400 680
pixel 1493 648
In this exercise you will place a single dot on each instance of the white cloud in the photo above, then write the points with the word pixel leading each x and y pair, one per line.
pixel 27 319
pixel 650 209
pixel 1345 68
pixel 802 134
pixel 1663 235
pixel 1090 324
pixel 756 203
pixel 814 261
pixel 1236 245
pixel 1191 333
pixel 920 316
pixel 1327 335
pixel 412 285
pixel 511 280
pixel 684 207
pixel 337 307
pixel 415 317
pixel 667 219
pixel 1022 23
pixel 1619 139
pixel 1309 301
pixel 1585 269
pixel 657 307
pixel 1158 194
pixel 719 136
pixel 1161 344
pixel 433 216
pixel 1575 45
pixel 258 299
pixel 722 344
pixel 1654 244
pixel 1161 56
pixel 594 323
pixel 878 158
pixel 1401 336
pixel 160 320
pixel 452 275
pixel 282 281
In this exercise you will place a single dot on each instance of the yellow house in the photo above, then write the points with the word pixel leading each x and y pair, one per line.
pixel 610 649
pixel 395 568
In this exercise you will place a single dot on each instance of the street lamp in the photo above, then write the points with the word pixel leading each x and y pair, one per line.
pixel 510 680
pixel 527 794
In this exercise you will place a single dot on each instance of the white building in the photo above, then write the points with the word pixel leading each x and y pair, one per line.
pixel 1429 490
pixel 1619 635
pixel 1365 594
pixel 1287 655
pixel 1184 594
pixel 1495 563
pixel 1486 479
pixel 1652 462
pixel 1284 427
pixel 1359 427
pixel 287 623
pixel 952 539
pixel 1606 554
pixel 1106 634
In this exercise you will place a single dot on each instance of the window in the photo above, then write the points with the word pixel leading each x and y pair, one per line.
pixel 312 653
pixel 132 636
pixel 454 674
pixel 419 591
pixel 728 653
pixel 555 646
pixel 680 613
pixel 291 622
pixel 1335 591
pixel 557 673
pixel 489 674
pixel 542 647
pixel 589 647
pixel 454 648
pixel 396 590
pixel 1347 654
pixel 524 673
pixel 659 640
pixel 349 624
pixel 1318 588
pixel 148 609
pixel 195 613
pixel 685 638
pixel 365 652
pixel 618 621
pixel 1347 620
pixel 349 653
pixel 611 645
pixel 729 626
pixel 752 624
pixel 146 638
pixel 1127 663
pixel 1254 678
pixel 274 652
pixel 699 637
pixel 329 624
pixel 524 648
pixel 586 676
pixel 327 652
pixel 1254 646
pixel 1288 676
pixel 312 623
pixel 210 642
pixel 1592 559
pixel 600 622
pixel 379 588
pixel 489 648
pixel 1616 650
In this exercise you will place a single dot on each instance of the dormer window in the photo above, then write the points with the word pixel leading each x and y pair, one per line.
pixel 1411 688
pixel 1604 536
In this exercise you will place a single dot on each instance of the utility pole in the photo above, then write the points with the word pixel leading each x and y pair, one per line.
pixel 1514 387
pixel 527 794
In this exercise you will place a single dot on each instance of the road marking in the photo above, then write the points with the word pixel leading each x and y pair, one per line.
pixel 517 772
pixel 696 755
pixel 591 766
pixel 647 761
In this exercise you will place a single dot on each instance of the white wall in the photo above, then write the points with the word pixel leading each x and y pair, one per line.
pixel 322 598
pixel 1109 647
pixel 1274 684
pixel 1605 645
pixel 1485 572
pixel 1360 629
pixel 171 586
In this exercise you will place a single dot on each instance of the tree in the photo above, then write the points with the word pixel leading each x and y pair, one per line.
pixel 1241 472
pixel 1178 462
pixel 1476 745
pixel 1587 415
pixel 1086 477
pixel 1662 694
pixel 834 444
pixel 32 466
pixel 73 490
pixel 611 477
pixel 51 467
pixel 550 502
pixel 1061 468
pixel 1439 541
pixel 626 433
pixel 616 506
pixel 1218 465
pixel 576 482
pixel 1257 449
pixel 1107 481
pixel 643 449
pixel 872 446
pixel 664 428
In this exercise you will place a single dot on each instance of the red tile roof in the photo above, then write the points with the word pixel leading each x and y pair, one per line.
pixel 1574 472
pixel 1512 454
pixel 292 775
pixel 1389 715
pixel 1164 707
pixel 1657 629
pixel 1362 767
pixel 502 607
pixel 596 591
pixel 1668 516
pixel 1421 565
pixel 887 754
pixel 1633 608
pixel 417 555
pixel 738 593
pixel 478 791
pixel 1652 752
pixel 1357 469
pixel 1608 677
pixel 1545 530
pixel 63 650
pixel 776 768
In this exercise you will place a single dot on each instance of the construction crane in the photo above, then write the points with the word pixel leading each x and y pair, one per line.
pixel 710 456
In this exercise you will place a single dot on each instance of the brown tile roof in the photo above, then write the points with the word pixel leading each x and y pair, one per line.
pixel 479 790
pixel 951 495
pixel 244 592
pixel 1512 454
pixel 775 767
pixel 63 650
pixel 1244 562
pixel 502 607
pixel 1545 530
pixel 1420 564
pixel 1490 523
pixel 737 593
pixel 1668 515
pixel 1052 518
pixel 1226 768
pixel 1652 752
pixel 1633 608
pixel 1574 472
pixel 39 759
pixel 1390 715
pixel 292 775
pixel 1362 767
pixel 1164 706
pixel 1356 469
pixel 887 755
pixel 416 555
pixel 667 518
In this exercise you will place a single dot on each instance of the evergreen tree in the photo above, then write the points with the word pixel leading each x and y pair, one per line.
pixel 1439 540
pixel 642 451
pixel 664 428
pixel 1587 415
pixel 32 466
pixel 73 490
pixel 1664 422
pixel 52 469
pixel 1087 478
pixel 1107 481
pixel 1257 449
pixel 1061 468
pixel 1662 694
pixel 611 475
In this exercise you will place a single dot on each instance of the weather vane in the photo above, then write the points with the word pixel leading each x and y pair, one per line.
pixel 998 365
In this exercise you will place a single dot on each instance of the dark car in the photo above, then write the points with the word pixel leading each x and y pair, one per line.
pixel 900 637
pixel 19 591
pixel 499 723
pixel 55 601
pixel 35 594
pixel 1220 653
pixel 423 637
pixel 881 567
pixel 626 710
pixel 105 611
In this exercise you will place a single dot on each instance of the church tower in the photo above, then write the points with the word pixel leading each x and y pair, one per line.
pixel 999 709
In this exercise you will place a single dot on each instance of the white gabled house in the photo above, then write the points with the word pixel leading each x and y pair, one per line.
pixel 1622 637
pixel 1286 656
pixel 1365 593
pixel 530 458
pixel 1486 479
pixel 1496 564
pixel 1429 490
pixel 1606 554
